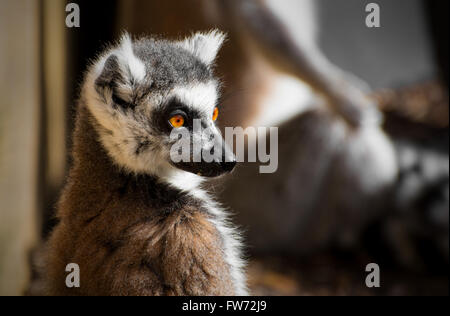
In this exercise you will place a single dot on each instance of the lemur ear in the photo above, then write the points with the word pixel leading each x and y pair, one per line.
pixel 133 65
pixel 204 46
pixel 121 69
pixel 110 76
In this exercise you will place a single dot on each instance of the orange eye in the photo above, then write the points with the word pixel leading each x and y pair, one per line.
pixel 215 114
pixel 177 121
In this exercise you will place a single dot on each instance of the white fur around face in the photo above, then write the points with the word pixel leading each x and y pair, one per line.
pixel 182 180
pixel 127 126
pixel 204 46
pixel 119 130
pixel 201 96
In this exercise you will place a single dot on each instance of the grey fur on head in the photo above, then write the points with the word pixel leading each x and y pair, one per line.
pixel 128 88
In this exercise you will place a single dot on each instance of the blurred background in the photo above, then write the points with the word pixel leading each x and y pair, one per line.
pixel 343 197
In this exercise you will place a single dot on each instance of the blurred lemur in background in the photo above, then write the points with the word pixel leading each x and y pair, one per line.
pixel 135 222
pixel 339 171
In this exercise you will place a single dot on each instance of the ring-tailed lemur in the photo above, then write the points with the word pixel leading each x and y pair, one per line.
pixel 135 222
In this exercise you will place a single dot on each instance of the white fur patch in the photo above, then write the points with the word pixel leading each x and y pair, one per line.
pixel 127 60
pixel 201 96
pixel 126 55
pixel 204 46
pixel 182 180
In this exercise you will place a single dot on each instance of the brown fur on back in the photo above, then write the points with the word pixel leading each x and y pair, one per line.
pixel 131 235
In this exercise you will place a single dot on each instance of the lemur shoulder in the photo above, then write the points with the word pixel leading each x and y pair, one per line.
pixel 135 222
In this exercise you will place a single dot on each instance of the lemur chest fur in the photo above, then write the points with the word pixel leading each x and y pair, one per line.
pixel 169 237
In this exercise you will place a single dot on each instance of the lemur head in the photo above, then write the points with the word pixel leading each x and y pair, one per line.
pixel 140 91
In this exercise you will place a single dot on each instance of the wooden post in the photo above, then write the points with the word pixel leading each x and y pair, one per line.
pixel 19 136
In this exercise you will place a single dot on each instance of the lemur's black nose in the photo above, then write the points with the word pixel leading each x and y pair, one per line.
pixel 228 166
